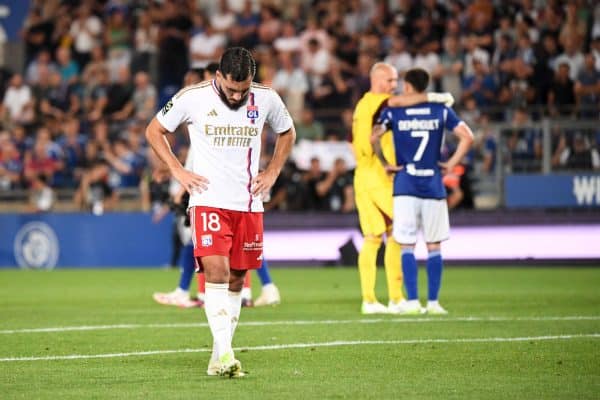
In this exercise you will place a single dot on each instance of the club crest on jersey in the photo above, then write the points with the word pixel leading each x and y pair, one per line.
pixel 252 112
pixel 206 240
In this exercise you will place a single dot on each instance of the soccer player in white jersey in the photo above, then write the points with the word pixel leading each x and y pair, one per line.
pixel 419 194
pixel 225 119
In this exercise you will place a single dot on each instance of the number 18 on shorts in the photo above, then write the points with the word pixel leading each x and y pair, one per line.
pixel 234 234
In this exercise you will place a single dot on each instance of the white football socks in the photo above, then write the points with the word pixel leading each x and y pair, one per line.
pixel 217 309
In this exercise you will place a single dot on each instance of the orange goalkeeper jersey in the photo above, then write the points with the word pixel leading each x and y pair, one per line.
pixel 369 172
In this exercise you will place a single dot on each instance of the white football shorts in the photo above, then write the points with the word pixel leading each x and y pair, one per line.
pixel 412 213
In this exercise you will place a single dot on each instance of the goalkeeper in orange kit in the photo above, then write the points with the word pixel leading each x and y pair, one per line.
pixel 373 186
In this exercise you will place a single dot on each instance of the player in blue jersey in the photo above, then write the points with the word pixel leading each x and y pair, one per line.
pixel 419 194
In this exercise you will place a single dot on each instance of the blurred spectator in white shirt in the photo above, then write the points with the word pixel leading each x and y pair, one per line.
pixel 18 102
pixel 291 83
pixel 289 41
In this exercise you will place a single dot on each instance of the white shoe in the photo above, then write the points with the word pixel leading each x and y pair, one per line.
pixel 230 367
pixel 435 309
pixel 373 308
pixel 269 296
pixel 394 306
pixel 407 307
pixel 178 297
pixel 214 367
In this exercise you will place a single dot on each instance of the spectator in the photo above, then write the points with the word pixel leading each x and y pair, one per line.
pixel 85 31
pixel 561 95
pixel 307 128
pixel 69 70
pixel 587 89
pixel 310 179
pixel 43 159
pixel 451 66
pixel 42 64
pixel 580 155
pixel 117 39
pixel 248 21
pixel 543 70
pixel 481 85
pixel 487 142
pixel 41 195
pixel 520 87
pixel 72 143
pixel 94 193
pixel 127 166
pixel 269 26
pixel 119 104
pixel 524 143
pixel 18 102
pixel 291 83
pixel 399 56
pixel 144 98
pixel 145 45
pixel 173 38
pixel 206 47
pixel 37 33
pixel 60 99
pixel 11 165
pixel 223 19
pixel 289 41
pixel 316 62
pixel 571 56
pixel 474 52
pixel 337 189
pixel 96 98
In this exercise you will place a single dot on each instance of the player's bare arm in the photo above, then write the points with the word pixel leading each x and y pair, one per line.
pixel 155 134
pixel 263 182
pixel 465 140
pixel 411 99
pixel 377 133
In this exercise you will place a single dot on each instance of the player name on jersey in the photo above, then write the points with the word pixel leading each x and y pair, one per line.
pixel 418 124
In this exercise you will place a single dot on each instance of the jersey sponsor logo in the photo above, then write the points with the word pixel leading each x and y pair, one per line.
pixel 418 111
pixel 230 130
pixel 252 246
pixel 167 107
pixel 36 246
pixel 206 240
pixel 212 113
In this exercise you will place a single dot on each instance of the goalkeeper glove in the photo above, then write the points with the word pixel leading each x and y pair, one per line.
pixel 445 98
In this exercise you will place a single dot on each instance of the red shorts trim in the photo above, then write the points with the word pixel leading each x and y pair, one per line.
pixel 237 235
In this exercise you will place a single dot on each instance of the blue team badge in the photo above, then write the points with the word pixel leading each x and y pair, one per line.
pixel 252 112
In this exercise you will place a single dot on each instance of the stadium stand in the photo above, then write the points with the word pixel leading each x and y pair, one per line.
pixel 80 79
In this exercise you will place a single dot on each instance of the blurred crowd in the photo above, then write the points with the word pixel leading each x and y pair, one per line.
pixel 96 71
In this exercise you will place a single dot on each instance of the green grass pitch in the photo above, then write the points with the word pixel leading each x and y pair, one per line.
pixel 512 333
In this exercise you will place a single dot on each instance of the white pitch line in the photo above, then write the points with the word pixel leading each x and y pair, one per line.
pixel 309 345
pixel 301 322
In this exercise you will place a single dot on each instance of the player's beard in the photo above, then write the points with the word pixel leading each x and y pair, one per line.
pixel 233 106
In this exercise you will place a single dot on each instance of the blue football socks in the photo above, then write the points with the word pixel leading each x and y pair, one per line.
pixel 188 267
pixel 410 272
pixel 434 274
pixel 263 273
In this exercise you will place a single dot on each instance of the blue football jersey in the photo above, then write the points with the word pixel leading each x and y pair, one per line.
pixel 418 138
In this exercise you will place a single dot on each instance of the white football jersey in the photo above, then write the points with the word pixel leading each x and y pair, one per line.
pixel 224 143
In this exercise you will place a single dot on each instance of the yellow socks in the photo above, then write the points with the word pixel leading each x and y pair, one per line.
pixel 393 270
pixel 367 268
